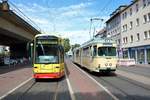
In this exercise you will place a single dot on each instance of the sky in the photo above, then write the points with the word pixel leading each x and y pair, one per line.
pixel 69 18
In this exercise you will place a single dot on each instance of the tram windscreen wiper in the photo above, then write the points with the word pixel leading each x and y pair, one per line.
pixel 42 48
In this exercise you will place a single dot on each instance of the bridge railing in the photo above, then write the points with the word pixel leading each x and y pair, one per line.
pixel 20 13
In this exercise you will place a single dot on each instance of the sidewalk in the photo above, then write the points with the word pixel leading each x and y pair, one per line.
pixel 143 65
pixel 12 77
pixel 7 68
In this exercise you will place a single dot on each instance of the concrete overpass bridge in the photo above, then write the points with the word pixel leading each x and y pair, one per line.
pixel 15 32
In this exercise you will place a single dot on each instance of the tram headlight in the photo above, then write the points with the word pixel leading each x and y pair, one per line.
pixel 110 64
pixel 106 64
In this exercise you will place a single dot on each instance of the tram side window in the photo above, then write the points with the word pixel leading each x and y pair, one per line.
pixel 95 50
pixel 90 50
pixel 86 52
pixel 77 53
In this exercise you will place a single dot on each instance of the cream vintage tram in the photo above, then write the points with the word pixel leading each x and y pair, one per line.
pixel 97 55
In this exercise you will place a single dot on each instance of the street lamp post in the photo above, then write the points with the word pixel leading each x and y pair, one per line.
pixel 91 21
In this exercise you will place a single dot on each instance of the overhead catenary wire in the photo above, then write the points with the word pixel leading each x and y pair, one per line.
pixel 101 11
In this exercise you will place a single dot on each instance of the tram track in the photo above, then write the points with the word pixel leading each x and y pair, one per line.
pixel 46 90
pixel 56 92
pixel 122 87
pixel 21 97
pixel 118 82
pixel 124 93
pixel 146 87
pixel 137 71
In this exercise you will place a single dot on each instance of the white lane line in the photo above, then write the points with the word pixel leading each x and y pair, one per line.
pixel 70 88
pixel 103 87
pixel 20 85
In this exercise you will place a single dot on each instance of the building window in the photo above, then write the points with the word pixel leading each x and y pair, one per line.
pixel 137 22
pixel 131 25
pixel 149 17
pixel 125 14
pixel 126 39
pixel 149 34
pixel 137 7
pixel 140 56
pixel 130 11
pixel 126 27
pixel 145 35
pixel 144 3
pixel 123 28
pixel 131 38
pixel 119 41
pixel 125 54
pixel 132 54
pixel 148 2
pixel 145 18
pixel 148 56
pixel 138 37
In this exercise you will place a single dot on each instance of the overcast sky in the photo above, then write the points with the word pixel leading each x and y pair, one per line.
pixel 68 18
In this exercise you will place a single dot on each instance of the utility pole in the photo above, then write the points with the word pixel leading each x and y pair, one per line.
pixel 91 22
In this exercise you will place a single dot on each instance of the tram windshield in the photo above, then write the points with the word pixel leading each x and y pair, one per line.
pixel 106 51
pixel 45 53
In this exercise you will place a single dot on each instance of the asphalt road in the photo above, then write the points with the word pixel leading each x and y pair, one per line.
pixel 42 90
pixel 144 71
pixel 122 87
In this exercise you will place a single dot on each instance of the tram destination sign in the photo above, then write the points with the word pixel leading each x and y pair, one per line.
pixel 107 44
pixel 46 41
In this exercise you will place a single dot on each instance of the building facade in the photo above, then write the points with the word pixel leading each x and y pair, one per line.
pixel 135 31
pixel 113 27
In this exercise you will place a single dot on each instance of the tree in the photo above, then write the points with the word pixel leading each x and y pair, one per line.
pixel 66 44
pixel 75 46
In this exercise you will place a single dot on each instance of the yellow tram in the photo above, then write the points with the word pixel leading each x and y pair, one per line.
pixel 97 55
pixel 48 57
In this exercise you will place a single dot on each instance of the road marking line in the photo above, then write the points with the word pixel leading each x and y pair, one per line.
pixel 113 96
pixel 70 88
pixel 20 85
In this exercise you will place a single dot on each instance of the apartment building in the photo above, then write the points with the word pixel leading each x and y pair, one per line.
pixel 135 31
pixel 113 27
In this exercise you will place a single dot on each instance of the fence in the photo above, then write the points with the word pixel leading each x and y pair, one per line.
pixel 126 62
